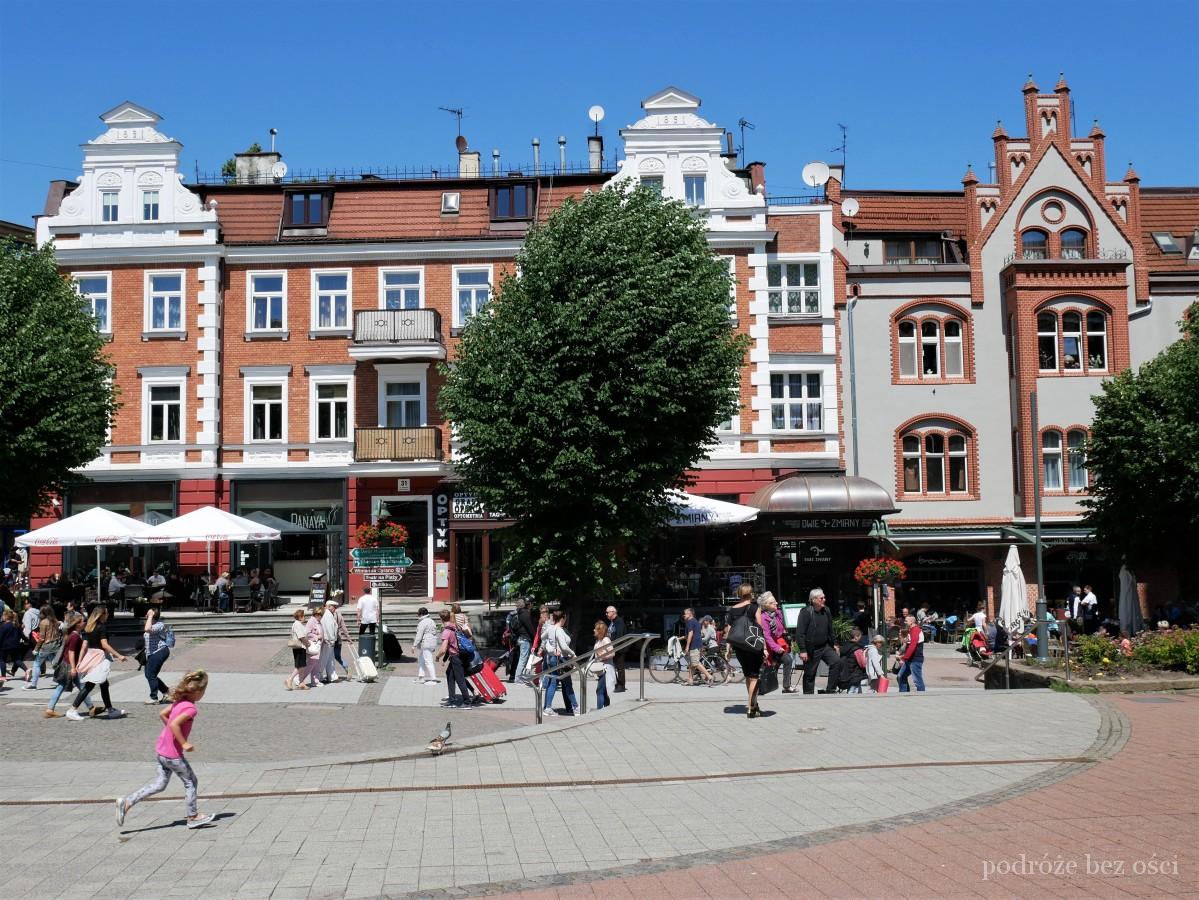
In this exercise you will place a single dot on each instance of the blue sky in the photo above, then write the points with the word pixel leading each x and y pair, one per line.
pixel 358 83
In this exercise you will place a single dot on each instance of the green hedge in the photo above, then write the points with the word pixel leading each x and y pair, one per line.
pixel 1174 650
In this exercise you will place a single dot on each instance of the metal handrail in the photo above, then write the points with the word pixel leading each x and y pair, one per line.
pixel 580 662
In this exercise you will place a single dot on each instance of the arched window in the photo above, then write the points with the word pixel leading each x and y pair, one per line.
pixel 1096 340
pixel 1047 341
pixel 934 463
pixel 1071 340
pixel 1034 244
pixel 953 349
pixel 1076 444
pixel 930 348
pixel 911 464
pixel 1051 460
pixel 957 464
pixel 1074 243
pixel 907 349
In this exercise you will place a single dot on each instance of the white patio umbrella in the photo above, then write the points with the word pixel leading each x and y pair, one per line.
pixel 209 524
pixel 96 527
pixel 1130 603
pixel 692 510
pixel 1013 597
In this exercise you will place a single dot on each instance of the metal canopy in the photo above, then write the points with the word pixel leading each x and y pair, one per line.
pixel 824 494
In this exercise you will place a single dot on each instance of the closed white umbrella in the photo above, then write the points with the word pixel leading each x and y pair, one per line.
pixel 1013 597
pixel 210 524
pixel 691 510
pixel 96 527
pixel 1130 603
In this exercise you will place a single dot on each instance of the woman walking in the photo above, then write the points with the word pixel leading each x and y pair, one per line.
pixel 95 664
pixel 11 651
pixel 750 660
pixel 774 630
pixel 455 675
pixel 173 742
pixel 48 646
pixel 157 652
pixel 316 634
pixel 66 673
pixel 425 643
pixel 298 644
pixel 558 650
pixel 602 666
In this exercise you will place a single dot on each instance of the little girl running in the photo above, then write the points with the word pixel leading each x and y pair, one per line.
pixel 172 744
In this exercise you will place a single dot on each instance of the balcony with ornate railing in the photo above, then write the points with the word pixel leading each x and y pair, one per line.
pixel 397 334
pixel 397 444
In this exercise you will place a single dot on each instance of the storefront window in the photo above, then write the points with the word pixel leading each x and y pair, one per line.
pixel 151 502
pixel 311 518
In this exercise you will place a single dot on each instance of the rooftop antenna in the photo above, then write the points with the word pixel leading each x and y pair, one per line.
pixel 274 131
pixel 842 149
pixel 457 112
pixel 744 123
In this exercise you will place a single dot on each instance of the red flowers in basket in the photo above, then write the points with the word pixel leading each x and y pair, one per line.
pixel 879 570
pixel 381 534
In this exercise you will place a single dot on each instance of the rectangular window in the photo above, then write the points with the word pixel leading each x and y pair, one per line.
pixel 953 348
pixel 732 264
pixel 108 206
pixel 797 403
pixel 96 291
pixel 402 290
pixel 1076 446
pixel 332 412
pixel 305 209
pixel 512 201
pixel 1047 342
pixel 653 182
pixel 150 206
pixel 165 402
pixel 1015 462
pixel 905 251
pixel 332 300
pixel 267 310
pixel 166 302
pixel 794 289
pixel 693 189
pixel 402 404
pixel 473 290
pixel 1166 243
pixel 266 412
pixel 1051 460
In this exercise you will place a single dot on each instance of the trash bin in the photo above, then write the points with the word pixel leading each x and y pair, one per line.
pixel 317 589
pixel 366 645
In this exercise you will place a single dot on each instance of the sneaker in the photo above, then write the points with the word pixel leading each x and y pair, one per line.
pixel 73 715
pixel 51 714
pixel 31 687
pixel 151 701
pixel 432 681
pixel 549 712
pixel 115 713
pixel 199 821
pixel 121 810
pixel 419 680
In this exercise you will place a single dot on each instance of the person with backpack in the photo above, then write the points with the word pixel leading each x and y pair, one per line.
pixel 450 652
pixel 159 640
pixel 853 664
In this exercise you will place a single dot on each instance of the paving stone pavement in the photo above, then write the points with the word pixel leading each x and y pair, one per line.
pixel 641 785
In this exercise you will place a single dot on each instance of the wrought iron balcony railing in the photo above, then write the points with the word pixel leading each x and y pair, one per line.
pixel 397 326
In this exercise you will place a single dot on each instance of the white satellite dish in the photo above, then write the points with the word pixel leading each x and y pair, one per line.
pixel 279 169
pixel 815 174
pixel 849 207
pixel 596 114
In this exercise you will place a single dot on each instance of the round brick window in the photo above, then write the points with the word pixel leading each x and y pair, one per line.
pixel 1053 212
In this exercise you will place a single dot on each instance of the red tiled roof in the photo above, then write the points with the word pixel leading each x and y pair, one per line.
pixel 249 216
pixel 1175 210
pixel 910 211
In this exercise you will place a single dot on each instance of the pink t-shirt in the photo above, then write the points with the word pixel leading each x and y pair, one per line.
pixel 167 745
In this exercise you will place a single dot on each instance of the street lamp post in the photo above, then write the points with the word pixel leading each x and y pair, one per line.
pixel 1042 606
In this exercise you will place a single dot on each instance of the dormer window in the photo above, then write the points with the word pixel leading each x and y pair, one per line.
pixel 512 202
pixel 451 203
pixel 306 209
pixel 922 251
pixel 108 206
pixel 693 188
pixel 1166 243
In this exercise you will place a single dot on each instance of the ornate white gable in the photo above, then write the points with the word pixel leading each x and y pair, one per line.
pixel 129 123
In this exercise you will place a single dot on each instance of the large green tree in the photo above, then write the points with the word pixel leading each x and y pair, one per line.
pixel 1144 455
pixel 56 397
pixel 595 380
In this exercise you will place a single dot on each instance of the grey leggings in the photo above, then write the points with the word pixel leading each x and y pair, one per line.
pixel 167 765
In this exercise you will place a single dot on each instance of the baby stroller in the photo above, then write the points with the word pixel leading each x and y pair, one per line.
pixel 977 649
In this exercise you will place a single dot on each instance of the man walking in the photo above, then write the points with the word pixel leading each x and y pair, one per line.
pixel 616 630
pixel 693 647
pixel 524 638
pixel 912 657
pixel 343 637
pixel 328 674
pixel 1090 610
pixel 814 636
pixel 368 612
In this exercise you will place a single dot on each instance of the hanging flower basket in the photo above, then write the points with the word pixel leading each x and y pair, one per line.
pixel 381 534
pixel 879 570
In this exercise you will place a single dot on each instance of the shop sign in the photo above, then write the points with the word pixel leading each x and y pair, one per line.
pixel 441 521
pixel 816 553
pixel 466 506
pixel 835 524
pixel 923 560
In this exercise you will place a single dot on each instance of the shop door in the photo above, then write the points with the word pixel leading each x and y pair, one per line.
pixel 414 514
pixel 470 569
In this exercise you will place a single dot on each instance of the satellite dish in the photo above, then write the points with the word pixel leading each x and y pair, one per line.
pixel 849 207
pixel 460 143
pixel 279 169
pixel 815 174
pixel 596 114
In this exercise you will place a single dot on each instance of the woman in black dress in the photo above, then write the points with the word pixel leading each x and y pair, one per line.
pixel 751 662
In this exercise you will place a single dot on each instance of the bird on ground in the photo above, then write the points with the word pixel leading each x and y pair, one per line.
pixel 438 743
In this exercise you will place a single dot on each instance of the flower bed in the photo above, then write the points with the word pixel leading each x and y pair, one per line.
pixel 1171 650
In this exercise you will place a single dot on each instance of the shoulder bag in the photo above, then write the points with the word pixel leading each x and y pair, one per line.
pixel 746 634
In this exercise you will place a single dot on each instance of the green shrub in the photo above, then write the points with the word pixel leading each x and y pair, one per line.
pixel 1097 651
pixel 1174 649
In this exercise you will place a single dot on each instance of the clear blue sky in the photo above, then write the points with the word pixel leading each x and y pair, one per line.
pixel 358 83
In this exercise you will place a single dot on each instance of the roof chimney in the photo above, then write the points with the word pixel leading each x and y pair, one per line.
pixel 536 156
pixel 595 153
pixel 730 154
pixel 255 168
pixel 561 153
pixel 757 176
pixel 468 162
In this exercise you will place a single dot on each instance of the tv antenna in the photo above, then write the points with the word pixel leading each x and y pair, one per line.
pixel 457 112
pixel 744 123
pixel 844 144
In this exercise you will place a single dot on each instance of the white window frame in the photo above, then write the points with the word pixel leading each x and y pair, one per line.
pixel 1056 334
pixel 1055 453
pixel 1087 334
pixel 315 382
pixel 924 341
pixel 148 311
pixel 951 455
pixel 912 343
pixel 918 455
pixel 104 206
pixel 1080 358
pixel 251 293
pixel 456 271
pixel 783 287
pixel 402 372
pixel 959 342
pixel 150 381
pixel 156 204
pixel 106 327
pixel 315 318
pixel 419 271
pixel 690 178
pixel 803 400
pixel 252 382
pixel 1072 453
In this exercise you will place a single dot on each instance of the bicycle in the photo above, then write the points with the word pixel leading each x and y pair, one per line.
pixel 674 667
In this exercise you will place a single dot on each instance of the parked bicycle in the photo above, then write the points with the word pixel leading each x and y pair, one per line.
pixel 671 668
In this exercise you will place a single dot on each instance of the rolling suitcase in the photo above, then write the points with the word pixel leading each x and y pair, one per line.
pixel 488 685
pixel 366 668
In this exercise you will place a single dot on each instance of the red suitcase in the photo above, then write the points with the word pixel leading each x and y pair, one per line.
pixel 488 685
